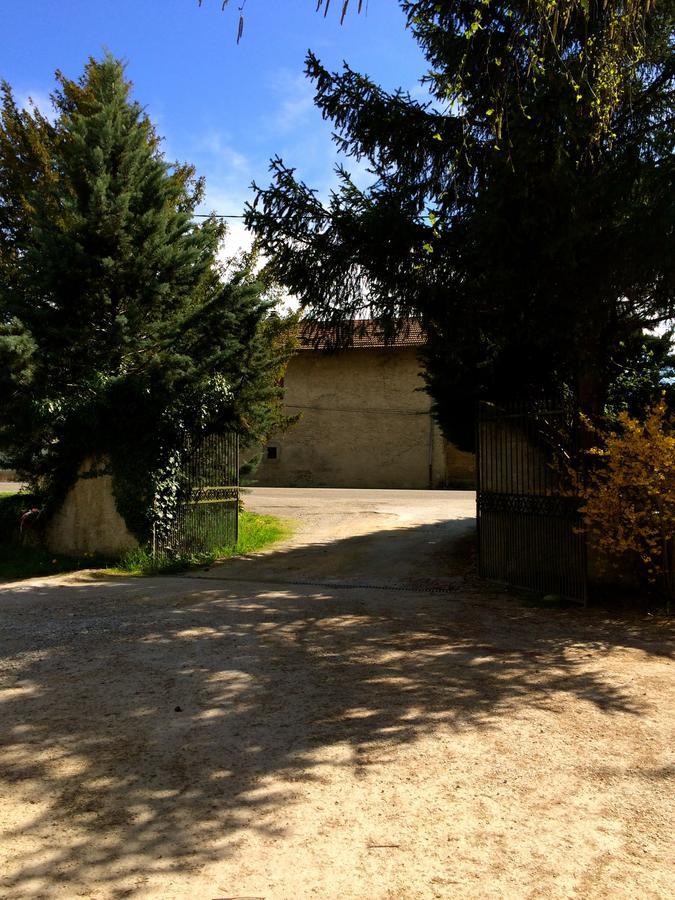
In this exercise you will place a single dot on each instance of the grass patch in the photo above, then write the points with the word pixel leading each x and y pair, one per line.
pixel 19 559
pixel 18 562
pixel 31 560
pixel 255 533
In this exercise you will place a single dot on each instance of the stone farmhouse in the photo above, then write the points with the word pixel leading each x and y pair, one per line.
pixel 364 418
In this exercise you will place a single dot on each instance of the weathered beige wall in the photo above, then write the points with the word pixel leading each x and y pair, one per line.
pixel 364 423
pixel 460 468
pixel 88 521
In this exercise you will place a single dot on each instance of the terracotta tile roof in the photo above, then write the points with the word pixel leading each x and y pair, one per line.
pixel 359 334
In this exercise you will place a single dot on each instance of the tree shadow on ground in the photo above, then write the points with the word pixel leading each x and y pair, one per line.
pixel 161 720
pixel 430 556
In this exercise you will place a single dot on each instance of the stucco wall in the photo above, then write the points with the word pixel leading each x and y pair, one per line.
pixel 88 521
pixel 364 422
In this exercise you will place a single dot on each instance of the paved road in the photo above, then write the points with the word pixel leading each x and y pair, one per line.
pixel 9 487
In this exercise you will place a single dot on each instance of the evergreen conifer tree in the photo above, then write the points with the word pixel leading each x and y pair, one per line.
pixel 525 213
pixel 119 333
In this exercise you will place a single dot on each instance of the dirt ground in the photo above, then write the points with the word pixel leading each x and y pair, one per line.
pixel 352 715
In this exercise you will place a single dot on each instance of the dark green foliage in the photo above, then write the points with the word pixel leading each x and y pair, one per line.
pixel 34 561
pixel 22 554
pixel 119 333
pixel 645 370
pixel 529 227
pixel 12 507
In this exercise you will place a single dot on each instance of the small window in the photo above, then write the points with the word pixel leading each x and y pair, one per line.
pixel 273 452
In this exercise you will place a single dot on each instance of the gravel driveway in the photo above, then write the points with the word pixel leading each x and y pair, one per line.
pixel 351 715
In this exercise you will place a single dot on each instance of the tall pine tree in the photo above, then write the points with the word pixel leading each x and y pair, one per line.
pixel 525 213
pixel 119 333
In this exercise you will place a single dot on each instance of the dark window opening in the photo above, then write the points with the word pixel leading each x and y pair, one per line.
pixel 272 453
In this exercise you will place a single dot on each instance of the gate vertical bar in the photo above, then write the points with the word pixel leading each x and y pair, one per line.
pixel 235 466
pixel 528 526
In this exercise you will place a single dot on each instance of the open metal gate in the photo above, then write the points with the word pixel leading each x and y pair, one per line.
pixel 529 527
pixel 205 515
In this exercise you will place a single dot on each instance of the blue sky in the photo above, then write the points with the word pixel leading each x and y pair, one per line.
pixel 224 107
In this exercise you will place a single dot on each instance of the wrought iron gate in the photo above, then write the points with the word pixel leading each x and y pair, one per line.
pixel 529 532
pixel 205 515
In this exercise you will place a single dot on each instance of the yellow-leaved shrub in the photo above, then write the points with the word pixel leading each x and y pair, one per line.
pixel 628 494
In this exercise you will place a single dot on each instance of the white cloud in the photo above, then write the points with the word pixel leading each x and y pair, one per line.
pixel 227 196
pixel 38 99
pixel 297 102
pixel 228 172
pixel 216 147
pixel 294 130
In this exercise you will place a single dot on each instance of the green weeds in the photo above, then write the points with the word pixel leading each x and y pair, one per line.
pixel 26 558
pixel 255 533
